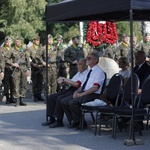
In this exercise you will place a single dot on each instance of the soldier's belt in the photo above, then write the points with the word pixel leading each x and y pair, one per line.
pixel 51 62
pixel 40 66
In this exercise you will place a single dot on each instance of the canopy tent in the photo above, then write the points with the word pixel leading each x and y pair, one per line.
pixel 84 10
pixel 101 10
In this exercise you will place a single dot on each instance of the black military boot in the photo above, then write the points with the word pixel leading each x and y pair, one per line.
pixel 22 103
pixel 17 102
pixel 7 99
pixel 35 98
pixel 40 98
pixel 11 100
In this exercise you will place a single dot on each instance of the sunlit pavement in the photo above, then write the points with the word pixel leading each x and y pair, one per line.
pixel 21 129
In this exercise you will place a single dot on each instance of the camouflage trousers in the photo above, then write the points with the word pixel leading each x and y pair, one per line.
pixel 52 79
pixel 19 80
pixel 37 80
pixel 7 82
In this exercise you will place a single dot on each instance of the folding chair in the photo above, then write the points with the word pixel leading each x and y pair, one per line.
pixel 126 112
pixel 90 109
pixel 112 95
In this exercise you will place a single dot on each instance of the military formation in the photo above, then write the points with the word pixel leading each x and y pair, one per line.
pixel 17 61
pixel 123 48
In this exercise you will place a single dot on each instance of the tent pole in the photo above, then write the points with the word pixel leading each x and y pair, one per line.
pixel 46 65
pixel 131 49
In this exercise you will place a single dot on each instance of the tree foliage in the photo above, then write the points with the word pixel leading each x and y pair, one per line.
pixel 22 18
pixel 25 18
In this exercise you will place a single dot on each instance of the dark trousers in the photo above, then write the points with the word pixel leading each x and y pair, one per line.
pixel 53 105
pixel 72 106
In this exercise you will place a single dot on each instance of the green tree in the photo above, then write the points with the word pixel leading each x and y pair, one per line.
pixel 124 27
pixel 22 18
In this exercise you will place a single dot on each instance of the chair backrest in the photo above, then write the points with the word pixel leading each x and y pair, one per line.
pixel 104 84
pixel 113 88
pixel 127 94
pixel 145 95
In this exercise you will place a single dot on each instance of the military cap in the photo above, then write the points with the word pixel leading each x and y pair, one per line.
pixel 36 38
pixel 147 34
pixel 59 36
pixel 7 38
pixel 76 36
pixel 49 36
pixel 125 35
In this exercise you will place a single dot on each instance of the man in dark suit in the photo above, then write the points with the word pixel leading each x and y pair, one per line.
pixel 142 69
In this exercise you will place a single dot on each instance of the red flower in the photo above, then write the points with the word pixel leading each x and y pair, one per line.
pixel 99 33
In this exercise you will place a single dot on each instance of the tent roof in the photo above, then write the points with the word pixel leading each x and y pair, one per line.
pixel 86 10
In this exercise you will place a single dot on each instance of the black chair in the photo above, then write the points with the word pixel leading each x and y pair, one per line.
pixel 90 109
pixel 126 112
pixel 112 95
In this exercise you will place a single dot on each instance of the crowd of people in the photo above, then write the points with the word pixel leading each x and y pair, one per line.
pixel 85 80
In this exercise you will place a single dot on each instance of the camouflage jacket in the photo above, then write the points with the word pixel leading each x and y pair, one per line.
pixel 122 51
pixel 18 56
pixel 144 46
pixel 34 52
pixel 2 62
pixel 73 53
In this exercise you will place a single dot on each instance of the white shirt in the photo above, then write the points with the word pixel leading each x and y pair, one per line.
pixel 96 78
pixel 79 77
pixel 125 73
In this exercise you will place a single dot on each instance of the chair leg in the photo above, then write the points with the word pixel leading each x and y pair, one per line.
pixel 92 117
pixel 130 129
pixel 115 126
pixel 147 122
pixel 100 123
pixel 47 118
pixel 82 119
pixel 96 120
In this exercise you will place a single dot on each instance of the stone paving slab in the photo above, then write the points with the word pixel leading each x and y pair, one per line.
pixel 20 129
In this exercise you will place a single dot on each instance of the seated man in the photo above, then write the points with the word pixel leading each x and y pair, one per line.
pixel 53 105
pixel 89 91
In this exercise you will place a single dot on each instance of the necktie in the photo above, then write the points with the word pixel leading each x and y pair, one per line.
pixel 136 68
pixel 87 78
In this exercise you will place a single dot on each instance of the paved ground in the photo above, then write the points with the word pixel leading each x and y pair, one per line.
pixel 20 129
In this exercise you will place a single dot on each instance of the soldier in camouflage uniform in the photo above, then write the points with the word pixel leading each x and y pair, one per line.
pixel 73 54
pixel 7 81
pixel 123 49
pixel 36 69
pixel 18 59
pixel 145 45
pixel 2 65
pixel 61 65
pixel 52 67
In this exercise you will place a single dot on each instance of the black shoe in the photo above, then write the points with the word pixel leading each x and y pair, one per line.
pixel 79 126
pixel 73 125
pixel 11 100
pixel 47 123
pixel 56 124
pixel 17 102
pixel 40 98
pixel 35 99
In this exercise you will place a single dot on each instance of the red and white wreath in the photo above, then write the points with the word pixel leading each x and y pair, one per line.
pixel 99 32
